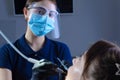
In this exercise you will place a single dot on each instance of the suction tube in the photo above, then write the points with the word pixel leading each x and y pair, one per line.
pixel 21 54
pixel 34 61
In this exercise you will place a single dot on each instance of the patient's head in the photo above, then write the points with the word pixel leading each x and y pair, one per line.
pixel 100 62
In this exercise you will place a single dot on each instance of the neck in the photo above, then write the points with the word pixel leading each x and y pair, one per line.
pixel 34 42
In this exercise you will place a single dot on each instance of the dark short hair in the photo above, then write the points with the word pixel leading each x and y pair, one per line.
pixel 29 2
pixel 102 56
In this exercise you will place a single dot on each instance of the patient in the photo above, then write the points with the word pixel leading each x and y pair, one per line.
pixel 100 62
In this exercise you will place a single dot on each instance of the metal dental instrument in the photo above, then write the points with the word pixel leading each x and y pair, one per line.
pixel 62 64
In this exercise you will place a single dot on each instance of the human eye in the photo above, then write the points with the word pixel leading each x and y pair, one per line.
pixel 41 11
pixel 52 14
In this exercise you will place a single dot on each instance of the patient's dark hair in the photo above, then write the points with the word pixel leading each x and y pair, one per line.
pixel 29 2
pixel 100 61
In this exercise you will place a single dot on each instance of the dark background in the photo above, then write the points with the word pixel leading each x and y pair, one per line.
pixel 64 6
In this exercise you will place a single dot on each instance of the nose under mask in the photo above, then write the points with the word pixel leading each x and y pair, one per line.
pixel 41 25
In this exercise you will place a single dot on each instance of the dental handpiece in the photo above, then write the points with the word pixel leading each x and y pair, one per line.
pixel 34 61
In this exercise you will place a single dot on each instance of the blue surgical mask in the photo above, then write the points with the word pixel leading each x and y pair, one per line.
pixel 40 25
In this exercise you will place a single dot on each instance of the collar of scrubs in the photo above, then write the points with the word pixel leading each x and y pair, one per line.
pixel 26 50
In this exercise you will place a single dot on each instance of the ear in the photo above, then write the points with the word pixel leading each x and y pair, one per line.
pixel 25 11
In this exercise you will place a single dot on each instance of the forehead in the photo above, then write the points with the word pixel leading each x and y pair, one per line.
pixel 45 3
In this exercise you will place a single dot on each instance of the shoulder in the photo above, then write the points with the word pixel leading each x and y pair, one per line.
pixel 4 47
pixel 7 47
pixel 58 44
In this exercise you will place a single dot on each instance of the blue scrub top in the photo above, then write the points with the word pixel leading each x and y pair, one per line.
pixel 21 68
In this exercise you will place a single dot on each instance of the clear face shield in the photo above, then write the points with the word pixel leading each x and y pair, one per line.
pixel 53 14
pixel 56 32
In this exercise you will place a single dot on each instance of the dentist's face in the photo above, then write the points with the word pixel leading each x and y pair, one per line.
pixel 76 70
pixel 44 7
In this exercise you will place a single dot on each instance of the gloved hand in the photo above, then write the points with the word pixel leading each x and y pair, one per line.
pixel 43 69
pixel 64 66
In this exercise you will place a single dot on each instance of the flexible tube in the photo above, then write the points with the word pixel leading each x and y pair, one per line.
pixel 34 61
pixel 20 53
